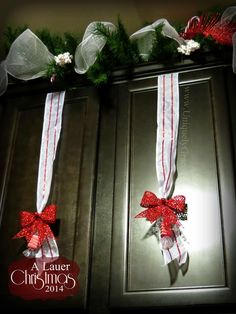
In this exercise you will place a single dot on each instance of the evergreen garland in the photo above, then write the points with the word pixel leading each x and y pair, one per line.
pixel 10 34
pixel 118 51
pixel 59 44
pixel 55 43
pixel 164 49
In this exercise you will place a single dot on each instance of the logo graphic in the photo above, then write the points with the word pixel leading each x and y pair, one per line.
pixel 31 278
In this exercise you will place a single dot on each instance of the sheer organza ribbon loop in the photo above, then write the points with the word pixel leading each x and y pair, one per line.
pixel 3 78
pixel 41 242
pixel 92 43
pixel 144 36
pixel 28 57
pixel 234 53
pixel 229 16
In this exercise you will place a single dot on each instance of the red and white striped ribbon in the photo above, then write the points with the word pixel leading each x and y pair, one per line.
pixel 50 136
pixel 166 146
pixel 178 251
pixel 167 131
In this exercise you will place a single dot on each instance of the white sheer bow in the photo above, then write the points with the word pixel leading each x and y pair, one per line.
pixel 92 43
pixel 144 36
pixel 227 17
pixel 27 59
pixel 3 77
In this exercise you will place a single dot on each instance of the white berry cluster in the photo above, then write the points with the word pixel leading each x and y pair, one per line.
pixel 188 47
pixel 63 58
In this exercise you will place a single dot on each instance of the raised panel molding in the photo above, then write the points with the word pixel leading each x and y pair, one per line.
pixel 72 186
pixel 105 161
pixel 205 176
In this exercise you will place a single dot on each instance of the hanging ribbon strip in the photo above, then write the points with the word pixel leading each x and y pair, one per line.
pixel 50 137
pixel 165 212
pixel 167 131
pixel 35 226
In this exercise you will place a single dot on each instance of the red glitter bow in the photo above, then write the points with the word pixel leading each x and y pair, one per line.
pixel 37 224
pixel 166 209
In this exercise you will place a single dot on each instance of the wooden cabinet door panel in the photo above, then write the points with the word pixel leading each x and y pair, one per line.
pixel 72 184
pixel 204 175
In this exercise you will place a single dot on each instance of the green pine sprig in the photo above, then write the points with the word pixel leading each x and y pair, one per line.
pixel 10 34
pixel 57 44
pixel 164 49
pixel 118 51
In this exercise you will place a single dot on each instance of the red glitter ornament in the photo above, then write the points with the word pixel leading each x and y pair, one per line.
pixel 220 31
pixel 223 33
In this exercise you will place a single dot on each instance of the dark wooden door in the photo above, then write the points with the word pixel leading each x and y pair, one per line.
pixel 138 278
pixel 72 186
pixel 98 199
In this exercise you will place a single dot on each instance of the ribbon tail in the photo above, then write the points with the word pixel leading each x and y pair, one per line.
pixel 149 214
pixel 22 233
pixel 3 78
pixel 142 214
pixel 178 251
pixel 48 250
pixel 47 253
pixel 234 52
